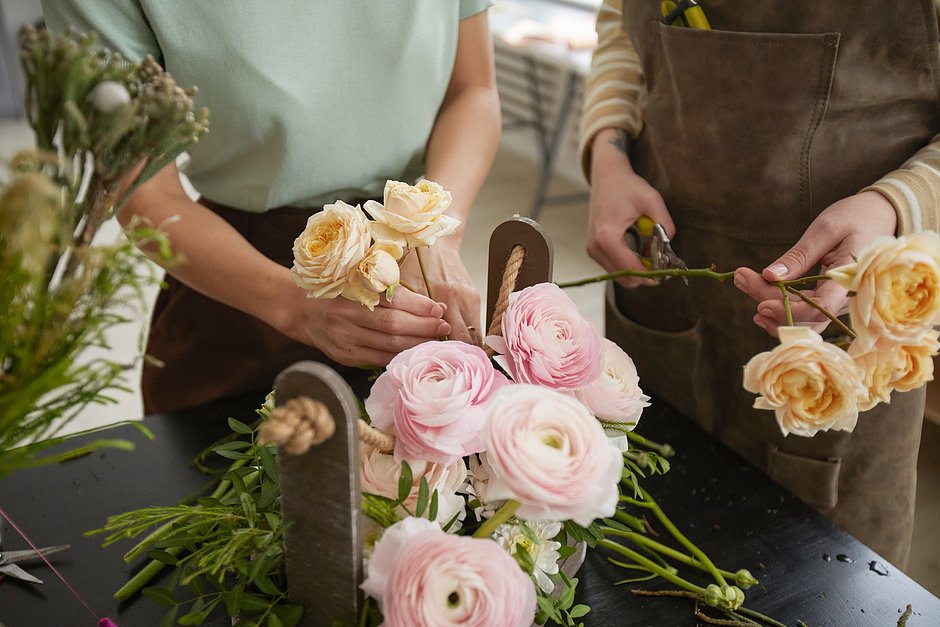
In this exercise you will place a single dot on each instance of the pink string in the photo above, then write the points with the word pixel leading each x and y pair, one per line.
pixel 102 622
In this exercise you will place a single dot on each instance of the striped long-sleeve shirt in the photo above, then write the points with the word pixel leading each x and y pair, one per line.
pixel 615 94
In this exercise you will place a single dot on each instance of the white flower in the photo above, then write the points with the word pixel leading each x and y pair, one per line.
pixel 109 96
pixel 412 215
pixel 543 550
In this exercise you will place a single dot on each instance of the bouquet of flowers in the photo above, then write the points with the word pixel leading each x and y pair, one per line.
pixel 102 126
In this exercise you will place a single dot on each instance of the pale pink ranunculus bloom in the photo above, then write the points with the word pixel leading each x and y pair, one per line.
pixel 379 474
pixel 431 397
pixel 615 395
pixel 330 247
pixel 811 385
pixel 412 215
pixel 547 451
pixel 896 282
pixel 545 340
pixel 388 551
pixel 880 363
pixel 438 579
pixel 916 363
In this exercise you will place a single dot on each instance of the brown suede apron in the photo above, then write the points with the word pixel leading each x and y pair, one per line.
pixel 751 130
pixel 210 350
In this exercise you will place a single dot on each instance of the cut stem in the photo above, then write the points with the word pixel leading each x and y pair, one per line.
pixel 679 556
pixel 504 513
pixel 652 566
pixel 664 450
pixel 651 274
pixel 815 305
pixel 424 274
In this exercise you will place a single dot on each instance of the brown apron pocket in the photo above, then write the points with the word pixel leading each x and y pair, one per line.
pixel 813 480
pixel 740 107
pixel 653 351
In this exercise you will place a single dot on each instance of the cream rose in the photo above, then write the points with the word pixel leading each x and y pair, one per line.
pixel 880 364
pixel 330 247
pixel 412 215
pixel 379 474
pixel 377 272
pixel 916 366
pixel 896 282
pixel 812 386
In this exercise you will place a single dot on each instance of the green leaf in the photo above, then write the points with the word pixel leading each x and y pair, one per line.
pixel 248 506
pixel 169 619
pixel 405 482
pixel 239 427
pixel 528 533
pixel 524 558
pixel 254 603
pixel 432 509
pixel 163 557
pixel 566 599
pixel 567 551
pixel 160 596
pixel 274 621
pixel 422 503
pixel 578 611
pixel 267 585
pixel 269 462
pixel 234 455
pixel 289 614
pixel 233 599
pixel 235 445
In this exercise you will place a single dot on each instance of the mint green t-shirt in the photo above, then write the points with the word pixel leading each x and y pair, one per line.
pixel 311 100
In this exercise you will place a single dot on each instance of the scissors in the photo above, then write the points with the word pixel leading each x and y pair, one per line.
pixel 649 240
pixel 8 560
pixel 684 13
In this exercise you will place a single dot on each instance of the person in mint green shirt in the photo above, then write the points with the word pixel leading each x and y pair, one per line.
pixel 311 102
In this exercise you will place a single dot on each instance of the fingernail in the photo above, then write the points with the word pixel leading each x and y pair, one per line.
pixel 777 269
pixel 765 312
pixel 443 329
pixel 437 311
pixel 738 282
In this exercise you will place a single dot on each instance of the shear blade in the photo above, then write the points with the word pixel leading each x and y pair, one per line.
pixel 13 570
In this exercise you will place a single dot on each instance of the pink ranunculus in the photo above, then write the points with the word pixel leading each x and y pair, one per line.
pixel 615 396
pixel 545 450
pixel 431 397
pixel 388 552
pixel 546 341
pixel 440 579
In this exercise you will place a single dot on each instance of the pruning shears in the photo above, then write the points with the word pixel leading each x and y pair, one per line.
pixel 648 238
pixel 9 559
pixel 684 13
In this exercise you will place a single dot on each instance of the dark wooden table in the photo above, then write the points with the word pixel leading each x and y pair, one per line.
pixel 732 511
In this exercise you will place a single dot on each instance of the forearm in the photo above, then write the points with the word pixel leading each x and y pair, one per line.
pixel 914 190
pixel 462 146
pixel 212 257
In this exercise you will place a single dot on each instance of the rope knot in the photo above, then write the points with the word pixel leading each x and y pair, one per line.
pixel 297 425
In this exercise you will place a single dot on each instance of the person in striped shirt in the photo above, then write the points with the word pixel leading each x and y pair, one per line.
pixel 781 140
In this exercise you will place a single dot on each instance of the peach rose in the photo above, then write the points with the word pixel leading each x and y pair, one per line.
pixel 379 474
pixel 330 247
pixel 880 364
pixel 374 275
pixel 896 282
pixel 916 363
pixel 412 215
pixel 812 386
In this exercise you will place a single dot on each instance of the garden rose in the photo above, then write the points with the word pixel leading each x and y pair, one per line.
pixel 377 272
pixel 615 396
pixel 412 215
pixel 545 450
pixel 812 386
pixel 916 363
pixel 431 397
pixel 379 474
pixel 896 282
pixel 880 364
pixel 330 247
pixel 546 341
pixel 441 579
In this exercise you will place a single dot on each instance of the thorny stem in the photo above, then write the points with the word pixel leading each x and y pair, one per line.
pixel 652 274
pixel 786 302
pixel 815 305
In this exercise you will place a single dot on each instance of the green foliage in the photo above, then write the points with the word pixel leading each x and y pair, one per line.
pixel 226 550
pixel 60 291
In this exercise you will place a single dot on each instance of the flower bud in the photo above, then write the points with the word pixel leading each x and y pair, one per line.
pixel 109 96
pixel 378 271
pixel 744 579
pixel 725 598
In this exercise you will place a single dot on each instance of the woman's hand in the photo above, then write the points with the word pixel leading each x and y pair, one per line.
pixel 832 239
pixel 451 285
pixel 618 198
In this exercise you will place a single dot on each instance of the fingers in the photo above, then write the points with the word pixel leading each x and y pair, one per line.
pixel 420 305
pixel 821 238
pixel 754 285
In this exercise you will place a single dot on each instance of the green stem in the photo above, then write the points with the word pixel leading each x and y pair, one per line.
pixel 504 513
pixel 424 274
pixel 688 544
pixel 808 279
pixel 143 577
pixel 651 274
pixel 664 450
pixel 630 521
pixel 679 556
pixel 759 616
pixel 815 305
pixel 786 302
pixel 651 566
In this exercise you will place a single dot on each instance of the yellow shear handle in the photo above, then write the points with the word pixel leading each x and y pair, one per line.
pixel 693 16
pixel 645 225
